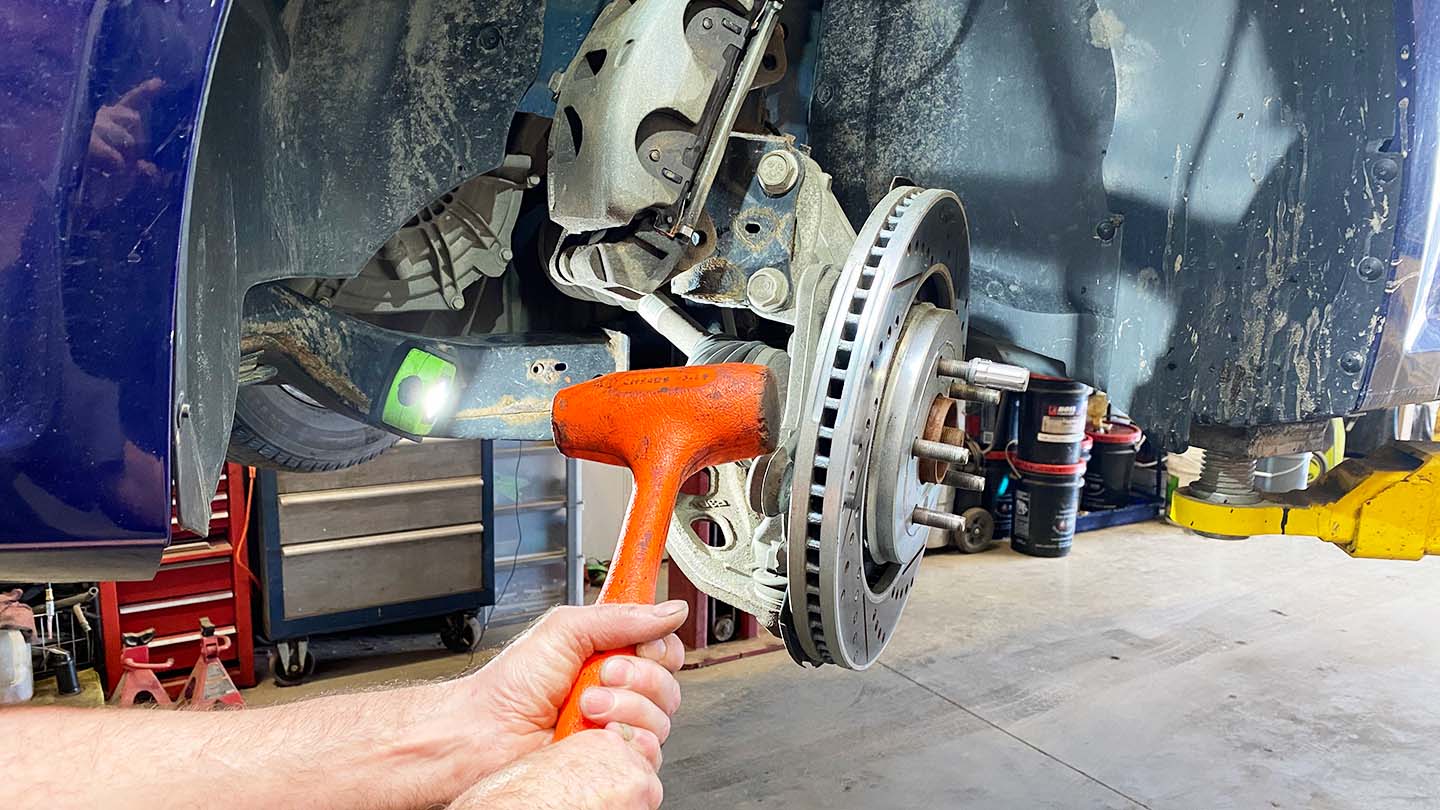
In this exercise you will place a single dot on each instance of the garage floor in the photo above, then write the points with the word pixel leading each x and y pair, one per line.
pixel 1150 668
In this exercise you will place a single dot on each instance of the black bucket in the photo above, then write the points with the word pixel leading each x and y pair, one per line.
pixel 1052 420
pixel 1111 468
pixel 999 496
pixel 1047 502
pixel 1000 424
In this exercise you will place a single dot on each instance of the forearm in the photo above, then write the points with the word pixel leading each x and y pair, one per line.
pixel 404 748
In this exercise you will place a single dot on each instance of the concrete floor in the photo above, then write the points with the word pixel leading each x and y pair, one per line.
pixel 1150 668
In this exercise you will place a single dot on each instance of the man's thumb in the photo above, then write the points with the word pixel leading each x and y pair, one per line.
pixel 597 628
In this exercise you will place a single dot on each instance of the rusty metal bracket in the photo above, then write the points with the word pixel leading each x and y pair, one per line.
pixel 754 229
pixel 503 384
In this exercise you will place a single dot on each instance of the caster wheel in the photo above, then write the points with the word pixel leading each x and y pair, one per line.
pixel 723 628
pixel 979 531
pixel 291 663
pixel 461 633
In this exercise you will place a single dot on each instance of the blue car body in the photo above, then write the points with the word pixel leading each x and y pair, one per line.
pixel 101 104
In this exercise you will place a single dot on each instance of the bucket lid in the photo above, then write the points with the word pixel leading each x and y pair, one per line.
pixel 1117 433
pixel 1048 469
pixel 1060 385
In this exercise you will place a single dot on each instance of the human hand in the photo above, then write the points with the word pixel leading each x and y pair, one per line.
pixel 590 770
pixel 119 136
pixel 518 695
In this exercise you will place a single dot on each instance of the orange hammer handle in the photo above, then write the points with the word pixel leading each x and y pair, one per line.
pixel 633 574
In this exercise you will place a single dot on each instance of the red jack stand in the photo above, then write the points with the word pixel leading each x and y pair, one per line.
pixel 209 685
pixel 138 684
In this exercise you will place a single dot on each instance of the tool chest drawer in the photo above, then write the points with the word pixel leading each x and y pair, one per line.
pixel 382 569
pixel 180 579
pixel 179 615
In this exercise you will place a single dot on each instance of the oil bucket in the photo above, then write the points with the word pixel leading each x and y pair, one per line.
pixel 1000 424
pixel 1111 467
pixel 999 496
pixel 1047 502
pixel 1052 420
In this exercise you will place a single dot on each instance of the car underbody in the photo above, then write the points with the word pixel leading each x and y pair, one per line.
pixel 899 208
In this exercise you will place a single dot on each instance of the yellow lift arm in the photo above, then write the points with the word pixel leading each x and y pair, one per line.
pixel 1386 505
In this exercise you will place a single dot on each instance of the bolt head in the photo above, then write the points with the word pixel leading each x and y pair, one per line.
pixel 777 172
pixel 1352 362
pixel 768 290
pixel 489 37
pixel 1386 169
pixel 457 302
pixel 1370 268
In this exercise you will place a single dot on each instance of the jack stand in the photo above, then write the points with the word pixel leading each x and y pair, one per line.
pixel 209 685
pixel 138 684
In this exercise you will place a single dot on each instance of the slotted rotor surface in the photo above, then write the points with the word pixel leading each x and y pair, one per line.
pixel 844 602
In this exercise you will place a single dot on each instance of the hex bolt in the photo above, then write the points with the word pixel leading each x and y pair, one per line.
pixel 778 171
pixel 965 481
pixel 655 155
pixel 1353 362
pixel 457 302
pixel 1386 170
pixel 975 393
pixel 937 520
pixel 1370 268
pixel 768 290
pixel 940 451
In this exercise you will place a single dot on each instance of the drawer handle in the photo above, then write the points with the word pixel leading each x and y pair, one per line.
pixel 166 641
pixel 380 490
pixel 198 599
pixel 373 540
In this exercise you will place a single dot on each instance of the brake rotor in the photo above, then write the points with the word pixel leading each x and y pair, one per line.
pixel 853 546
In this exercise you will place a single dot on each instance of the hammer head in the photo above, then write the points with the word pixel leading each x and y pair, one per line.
pixel 672 420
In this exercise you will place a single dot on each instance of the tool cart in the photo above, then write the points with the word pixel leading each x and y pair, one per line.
pixel 439 529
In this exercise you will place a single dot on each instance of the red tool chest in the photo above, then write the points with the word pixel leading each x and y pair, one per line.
pixel 198 576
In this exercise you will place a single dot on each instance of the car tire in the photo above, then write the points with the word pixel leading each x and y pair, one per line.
pixel 279 428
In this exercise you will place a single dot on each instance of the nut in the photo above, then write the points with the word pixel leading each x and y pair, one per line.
pixel 778 171
pixel 768 290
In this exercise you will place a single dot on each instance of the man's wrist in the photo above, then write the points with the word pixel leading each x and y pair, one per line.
pixel 449 744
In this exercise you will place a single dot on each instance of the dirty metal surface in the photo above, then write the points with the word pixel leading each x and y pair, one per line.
pixel 329 124
pixel 506 382
pixel 1164 198
pixel 752 229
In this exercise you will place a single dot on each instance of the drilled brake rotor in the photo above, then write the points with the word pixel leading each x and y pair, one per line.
pixel 853 549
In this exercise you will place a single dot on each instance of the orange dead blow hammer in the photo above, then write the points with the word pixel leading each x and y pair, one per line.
pixel 665 425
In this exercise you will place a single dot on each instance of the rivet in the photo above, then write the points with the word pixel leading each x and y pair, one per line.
pixel 1370 268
